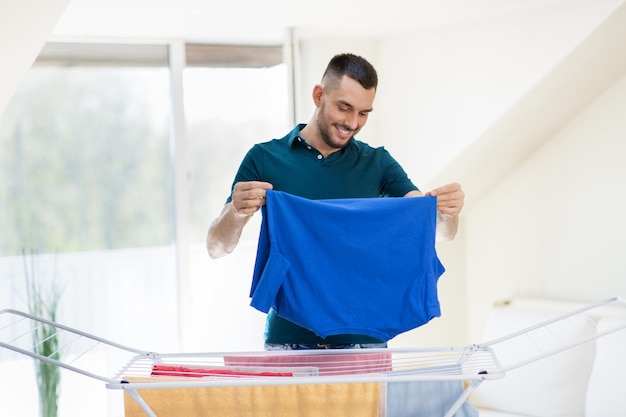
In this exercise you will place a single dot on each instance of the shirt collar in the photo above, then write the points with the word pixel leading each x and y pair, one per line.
pixel 295 133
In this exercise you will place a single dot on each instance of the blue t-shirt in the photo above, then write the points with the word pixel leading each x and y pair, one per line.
pixel 363 266
pixel 293 166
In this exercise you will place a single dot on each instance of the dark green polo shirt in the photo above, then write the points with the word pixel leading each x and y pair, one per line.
pixel 292 166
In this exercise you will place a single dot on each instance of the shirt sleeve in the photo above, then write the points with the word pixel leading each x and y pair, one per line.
pixel 249 169
pixel 396 182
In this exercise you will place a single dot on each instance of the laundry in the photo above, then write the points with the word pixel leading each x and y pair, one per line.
pixel 314 400
pixel 348 266
pixel 183 371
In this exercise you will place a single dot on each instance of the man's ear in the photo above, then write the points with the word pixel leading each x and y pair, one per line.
pixel 318 92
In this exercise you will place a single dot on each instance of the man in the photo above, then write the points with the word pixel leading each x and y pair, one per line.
pixel 323 160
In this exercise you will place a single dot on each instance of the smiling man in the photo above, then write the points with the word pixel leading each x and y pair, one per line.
pixel 343 106
pixel 324 160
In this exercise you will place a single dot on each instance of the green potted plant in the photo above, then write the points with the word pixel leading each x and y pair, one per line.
pixel 43 301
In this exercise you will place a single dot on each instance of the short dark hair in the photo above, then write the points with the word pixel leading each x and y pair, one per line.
pixel 355 67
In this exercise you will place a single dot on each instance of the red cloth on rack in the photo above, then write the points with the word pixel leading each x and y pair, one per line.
pixel 169 370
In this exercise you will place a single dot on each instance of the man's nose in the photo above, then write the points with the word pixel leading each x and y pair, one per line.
pixel 352 121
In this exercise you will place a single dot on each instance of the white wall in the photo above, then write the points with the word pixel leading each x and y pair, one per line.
pixel 556 227
pixel 441 89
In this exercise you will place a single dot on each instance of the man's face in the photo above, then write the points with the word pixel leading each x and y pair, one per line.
pixel 343 111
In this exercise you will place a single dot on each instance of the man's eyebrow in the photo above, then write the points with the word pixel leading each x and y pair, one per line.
pixel 345 103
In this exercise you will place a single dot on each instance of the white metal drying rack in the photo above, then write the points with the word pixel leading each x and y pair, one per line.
pixel 472 364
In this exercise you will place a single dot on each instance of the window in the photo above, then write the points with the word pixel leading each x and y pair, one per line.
pixel 87 184
pixel 228 111
pixel 85 160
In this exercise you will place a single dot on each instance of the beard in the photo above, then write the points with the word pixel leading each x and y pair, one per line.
pixel 328 139
pixel 326 130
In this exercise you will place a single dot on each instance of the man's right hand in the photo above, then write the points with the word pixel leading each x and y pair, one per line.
pixel 225 230
pixel 248 197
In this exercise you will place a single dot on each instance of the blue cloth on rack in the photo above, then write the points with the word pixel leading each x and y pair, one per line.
pixel 426 399
pixel 348 266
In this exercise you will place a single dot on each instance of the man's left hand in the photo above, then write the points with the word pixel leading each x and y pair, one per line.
pixel 450 198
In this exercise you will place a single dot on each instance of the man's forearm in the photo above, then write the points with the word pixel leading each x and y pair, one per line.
pixel 224 232
pixel 447 226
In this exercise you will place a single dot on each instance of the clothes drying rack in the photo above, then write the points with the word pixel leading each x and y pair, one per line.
pixel 146 370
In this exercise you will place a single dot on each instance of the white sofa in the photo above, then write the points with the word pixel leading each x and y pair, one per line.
pixel 585 381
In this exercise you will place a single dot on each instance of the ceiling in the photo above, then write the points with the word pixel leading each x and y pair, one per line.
pixel 268 21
